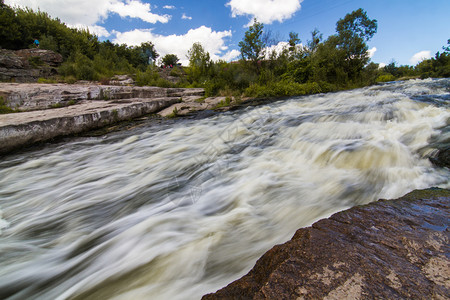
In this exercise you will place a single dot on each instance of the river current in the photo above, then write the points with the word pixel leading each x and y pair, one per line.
pixel 177 210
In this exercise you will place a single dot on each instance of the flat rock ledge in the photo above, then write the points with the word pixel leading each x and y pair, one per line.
pixel 79 108
pixel 389 249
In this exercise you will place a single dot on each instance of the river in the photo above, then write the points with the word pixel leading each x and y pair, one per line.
pixel 179 209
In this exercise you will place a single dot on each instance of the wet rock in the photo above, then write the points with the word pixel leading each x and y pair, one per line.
pixel 389 249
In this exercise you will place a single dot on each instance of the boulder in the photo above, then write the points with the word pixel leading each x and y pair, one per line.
pixel 389 249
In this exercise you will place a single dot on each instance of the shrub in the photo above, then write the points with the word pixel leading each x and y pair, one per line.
pixel 385 78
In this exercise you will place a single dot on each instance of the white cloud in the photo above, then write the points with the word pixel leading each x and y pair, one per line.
pixel 266 11
pixel 184 17
pixel 99 31
pixel 169 7
pixel 419 56
pixel 231 55
pixel 381 65
pixel 88 12
pixel 212 41
pixel 137 9
pixel 372 51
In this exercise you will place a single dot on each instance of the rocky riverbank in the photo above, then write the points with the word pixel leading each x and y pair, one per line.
pixel 47 111
pixel 389 249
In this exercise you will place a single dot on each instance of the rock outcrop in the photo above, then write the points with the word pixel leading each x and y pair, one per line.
pixel 76 108
pixel 33 96
pixel 389 249
pixel 28 65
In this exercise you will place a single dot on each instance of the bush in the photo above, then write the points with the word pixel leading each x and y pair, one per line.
pixel 385 78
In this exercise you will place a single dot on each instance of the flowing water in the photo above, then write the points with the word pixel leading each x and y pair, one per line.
pixel 174 211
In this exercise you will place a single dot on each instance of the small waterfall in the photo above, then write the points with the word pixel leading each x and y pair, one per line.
pixel 174 211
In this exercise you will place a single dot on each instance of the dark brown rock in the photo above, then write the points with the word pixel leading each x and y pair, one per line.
pixel 390 249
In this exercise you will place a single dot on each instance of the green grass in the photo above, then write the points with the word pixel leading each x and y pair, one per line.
pixel 5 109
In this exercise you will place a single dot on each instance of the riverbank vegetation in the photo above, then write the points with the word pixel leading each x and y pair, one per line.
pixel 338 62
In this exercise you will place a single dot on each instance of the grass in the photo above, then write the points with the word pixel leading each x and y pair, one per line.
pixel 5 109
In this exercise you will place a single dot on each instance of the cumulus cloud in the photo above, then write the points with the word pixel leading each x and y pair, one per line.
pixel 169 7
pixel 381 65
pixel 137 9
pixel 266 11
pixel 419 56
pixel 184 17
pixel 372 51
pixel 212 41
pixel 88 12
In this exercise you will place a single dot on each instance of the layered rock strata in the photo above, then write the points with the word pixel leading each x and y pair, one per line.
pixel 389 249
pixel 76 108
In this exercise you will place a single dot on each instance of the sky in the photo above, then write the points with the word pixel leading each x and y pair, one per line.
pixel 408 30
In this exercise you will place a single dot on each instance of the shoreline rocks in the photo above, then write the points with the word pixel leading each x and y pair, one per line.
pixel 389 249
pixel 76 109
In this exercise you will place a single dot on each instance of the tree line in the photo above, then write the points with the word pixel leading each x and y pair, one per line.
pixel 339 62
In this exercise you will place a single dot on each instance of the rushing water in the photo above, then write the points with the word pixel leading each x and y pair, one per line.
pixel 176 211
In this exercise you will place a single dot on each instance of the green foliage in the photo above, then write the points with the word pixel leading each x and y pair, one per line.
pixel 20 26
pixel 199 63
pixel 282 89
pixel 385 78
pixel 150 77
pixel 223 103
pixel 4 108
pixel 170 60
pixel 252 45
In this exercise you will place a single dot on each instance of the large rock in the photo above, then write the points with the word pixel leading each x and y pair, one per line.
pixel 28 65
pixel 33 96
pixel 25 128
pixel 48 57
pixel 390 249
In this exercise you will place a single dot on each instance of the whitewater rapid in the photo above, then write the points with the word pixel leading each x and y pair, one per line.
pixel 178 210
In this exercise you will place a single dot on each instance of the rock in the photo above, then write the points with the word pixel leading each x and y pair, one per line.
pixel 389 249
pixel 76 108
pixel 22 129
pixel 9 60
pixel 48 57
pixel 121 80
pixel 190 104
pixel 28 65
pixel 34 96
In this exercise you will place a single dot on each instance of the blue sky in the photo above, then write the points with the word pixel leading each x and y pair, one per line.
pixel 408 30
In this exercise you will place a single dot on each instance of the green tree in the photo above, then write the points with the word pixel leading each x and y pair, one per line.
pixel 293 41
pixel 170 60
pixel 353 32
pixel 252 46
pixel 199 63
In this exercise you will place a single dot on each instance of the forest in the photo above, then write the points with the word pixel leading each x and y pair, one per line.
pixel 318 65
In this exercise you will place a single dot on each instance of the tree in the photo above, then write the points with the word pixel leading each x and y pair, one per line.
pixel 170 60
pixel 199 63
pixel 252 46
pixel 293 41
pixel 353 32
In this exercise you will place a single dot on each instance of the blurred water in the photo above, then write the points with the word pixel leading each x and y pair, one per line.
pixel 176 211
